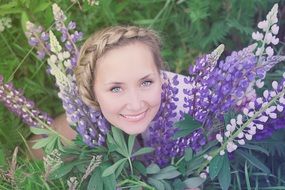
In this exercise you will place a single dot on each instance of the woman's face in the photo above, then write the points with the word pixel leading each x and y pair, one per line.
pixel 128 87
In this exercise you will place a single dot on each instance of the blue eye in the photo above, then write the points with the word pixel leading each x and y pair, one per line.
pixel 116 89
pixel 147 83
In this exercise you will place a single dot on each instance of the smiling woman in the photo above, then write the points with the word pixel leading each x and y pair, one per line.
pixel 123 65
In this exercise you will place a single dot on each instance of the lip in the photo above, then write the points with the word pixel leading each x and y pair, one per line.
pixel 134 117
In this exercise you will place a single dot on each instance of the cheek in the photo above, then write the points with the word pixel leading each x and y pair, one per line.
pixel 154 97
pixel 108 105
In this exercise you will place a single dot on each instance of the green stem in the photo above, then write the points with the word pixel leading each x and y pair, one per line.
pixel 139 183
pixel 68 142
pixel 231 138
pixel 131 166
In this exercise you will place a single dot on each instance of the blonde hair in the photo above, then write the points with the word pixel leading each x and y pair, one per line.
pixel 101 42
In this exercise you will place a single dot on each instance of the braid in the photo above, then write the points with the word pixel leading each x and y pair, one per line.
pixel 101 42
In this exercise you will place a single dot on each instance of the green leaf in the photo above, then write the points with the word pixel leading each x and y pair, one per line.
pixel 224 175
pixel 142 151
pixel 156 183
pixel 131 142
pixel 167 186
pixel 120 141
pixel 179 185
pixel 152 169
pixel 24 20
pixel 42 6
pixel 40 143
pixel 254 161
pixel 188 154
pixel 140 167
pixel 39 131
pixel 2 157
pixel 111 169
pixel 256 147
pixel 62 170
pixel 168 172
pixel 194 182
pixel 216 165
pixel 95 181
pixel 186 126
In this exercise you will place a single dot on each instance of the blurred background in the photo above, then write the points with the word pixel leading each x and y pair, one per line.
pixel 189 28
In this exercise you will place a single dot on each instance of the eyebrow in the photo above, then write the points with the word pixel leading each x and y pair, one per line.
pixel 119 83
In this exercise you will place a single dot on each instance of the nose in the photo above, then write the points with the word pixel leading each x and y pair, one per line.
pixel 134 101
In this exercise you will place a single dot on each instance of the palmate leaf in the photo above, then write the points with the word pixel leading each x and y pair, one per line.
pixel 111 169
pixel 186 126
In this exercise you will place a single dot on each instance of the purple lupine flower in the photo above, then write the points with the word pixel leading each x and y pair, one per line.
pixel 90 123
pixel 14 100
pixel 68 33
pixel 162 130
pixel 38 38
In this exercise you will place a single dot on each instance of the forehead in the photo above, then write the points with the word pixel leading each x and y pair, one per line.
pixel 126 62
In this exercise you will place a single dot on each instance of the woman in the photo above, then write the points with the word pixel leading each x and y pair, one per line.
pixel 119 71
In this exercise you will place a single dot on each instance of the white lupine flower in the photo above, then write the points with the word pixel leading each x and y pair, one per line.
pixel 233 122
pixel 275 40
pixel 230 128
pixel 265 93
pixel 222 152
pixel 257 36
pixel 248 137
pixel 279 108
pixel 209 158
pixel 227 133
pixel 251 105
pixel 275 29
pixel 231 147
pixel 205 156
pixel 272 15
pixel 272 93
pixel 241 142
pixel 241 135
pixel 273 115
pixel 268 37
pixel 259 83
pixel 259 51
pixel 53 59
pixel 66 54
pixel 219 137
pixel 252 131
pixel 282 100
pixel 259 126
pixel 250 114
pixel 67 63
pixel 275 85
pixel 259 100
pixel 245 111
pixel 239 119
pixel 269 51
pixel 263 118
pixel 263 25
pixel 203 175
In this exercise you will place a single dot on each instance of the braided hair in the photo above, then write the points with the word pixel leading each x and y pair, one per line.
pixel 105 40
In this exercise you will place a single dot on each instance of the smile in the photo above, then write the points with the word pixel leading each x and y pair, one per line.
pixel 134 118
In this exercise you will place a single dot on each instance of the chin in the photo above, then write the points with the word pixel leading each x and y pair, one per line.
pixel 136 131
